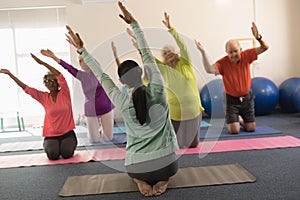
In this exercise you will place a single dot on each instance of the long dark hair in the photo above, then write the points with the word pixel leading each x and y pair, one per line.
pixel 130 73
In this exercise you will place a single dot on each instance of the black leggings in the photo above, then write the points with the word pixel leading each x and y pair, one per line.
pixel 152 177
pixel 64 146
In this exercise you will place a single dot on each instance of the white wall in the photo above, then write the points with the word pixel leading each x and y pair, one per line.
pixel 279 20
pixel 212 22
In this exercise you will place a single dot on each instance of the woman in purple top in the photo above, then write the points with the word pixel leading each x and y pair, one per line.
pixel 98 108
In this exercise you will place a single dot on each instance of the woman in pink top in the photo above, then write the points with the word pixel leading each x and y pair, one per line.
pixel 59 137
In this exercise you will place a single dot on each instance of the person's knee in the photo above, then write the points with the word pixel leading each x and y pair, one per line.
pixel 233 128
pixel 107 136
pixel 194 143
pixel 94 140
pixel 181 144
pixel 67 153
pixel 52 154
pixel 250 127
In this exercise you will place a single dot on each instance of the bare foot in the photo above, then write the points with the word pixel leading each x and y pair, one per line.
pixel 144 187
pixel 160 187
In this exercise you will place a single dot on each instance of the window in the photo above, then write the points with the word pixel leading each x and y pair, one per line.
pixel 25 31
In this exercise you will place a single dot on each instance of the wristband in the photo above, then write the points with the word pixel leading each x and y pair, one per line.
pixel 79 51
pixel 259 37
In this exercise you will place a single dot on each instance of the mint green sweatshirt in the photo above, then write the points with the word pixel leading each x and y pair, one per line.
pixel 156 138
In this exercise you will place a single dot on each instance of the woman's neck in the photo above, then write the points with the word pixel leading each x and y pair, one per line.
pixel 173 64
pixel 54 95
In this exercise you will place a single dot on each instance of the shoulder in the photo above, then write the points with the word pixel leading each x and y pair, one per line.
pixel 222 60
pixel 60 76
pixel 184 61
pixel 249 54
pixel 31 90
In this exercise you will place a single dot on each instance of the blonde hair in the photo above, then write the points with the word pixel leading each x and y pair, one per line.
pixel 168 48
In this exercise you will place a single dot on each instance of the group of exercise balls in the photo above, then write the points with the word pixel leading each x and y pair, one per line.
pixel 267 96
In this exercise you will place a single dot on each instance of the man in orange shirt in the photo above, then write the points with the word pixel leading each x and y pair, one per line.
pixel 235 71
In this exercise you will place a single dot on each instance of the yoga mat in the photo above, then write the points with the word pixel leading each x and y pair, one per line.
pixel 38 145
pixel 204 124
pixel 185 177
pixel 260 130
pixel 116 129
pixel 21 146
pixel 40 159
pixel 122 130
pixel 119 130
pixel 119 137
pixel 79 129
pixel 14 134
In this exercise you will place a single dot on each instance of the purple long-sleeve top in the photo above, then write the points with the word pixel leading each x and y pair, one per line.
pixel 96 100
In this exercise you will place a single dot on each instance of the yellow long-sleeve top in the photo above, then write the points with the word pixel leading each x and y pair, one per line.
pixel 180 82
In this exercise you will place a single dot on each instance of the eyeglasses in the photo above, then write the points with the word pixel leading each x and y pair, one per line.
pixel 54 81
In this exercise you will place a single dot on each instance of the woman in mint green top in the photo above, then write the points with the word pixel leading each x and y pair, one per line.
pixel 151 140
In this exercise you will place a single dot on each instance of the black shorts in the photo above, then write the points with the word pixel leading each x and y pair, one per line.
pixel 243 106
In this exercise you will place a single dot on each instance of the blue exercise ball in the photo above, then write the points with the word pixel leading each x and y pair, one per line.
pixel 211 96
pixel 266 95
pixel 286 92
pixel 296 98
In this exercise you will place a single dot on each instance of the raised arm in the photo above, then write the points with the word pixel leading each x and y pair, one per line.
pixel 133 39
pixel 75 40
pixel 148 59
pixel 50 54
pixel 18 82
pixel 263 45
pixel 114 93
pixel 209 67
pixel 134 43
pixel 114 49
pixel 182 46
pixel 49 67
pixel 72 70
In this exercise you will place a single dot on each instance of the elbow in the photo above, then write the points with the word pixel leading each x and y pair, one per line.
pixel 210 69
pixel 23 86
pixel 266 47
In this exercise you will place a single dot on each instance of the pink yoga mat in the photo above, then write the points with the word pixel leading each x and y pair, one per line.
pixel 119 153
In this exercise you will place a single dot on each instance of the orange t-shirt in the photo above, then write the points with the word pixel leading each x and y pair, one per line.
pixel 236 76
pixel 58 115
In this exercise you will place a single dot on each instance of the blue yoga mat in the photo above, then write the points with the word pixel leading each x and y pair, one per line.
pixel 204 124
pixel 122 130
pixel 117 139
pixel 260 130
pixel 119 130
